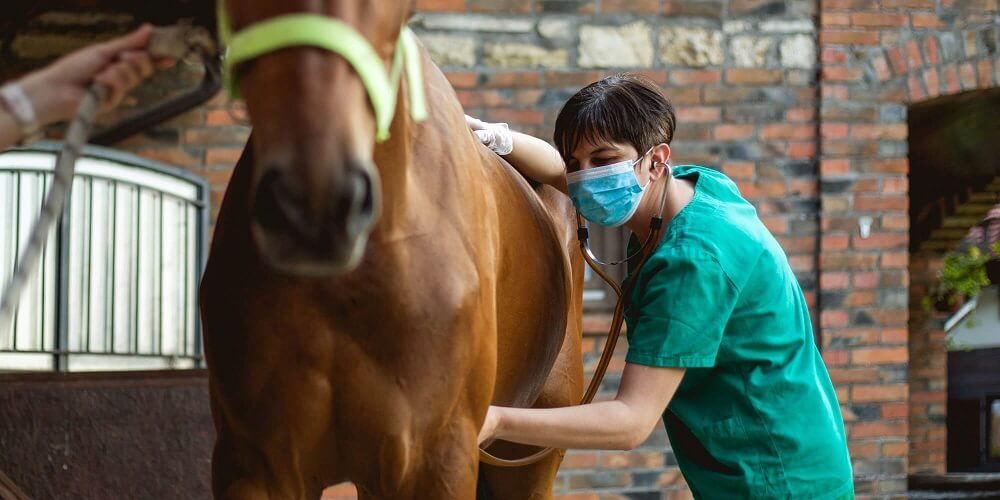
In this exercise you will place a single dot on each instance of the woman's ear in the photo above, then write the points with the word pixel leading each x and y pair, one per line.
pixel 660 161
pixel 661 154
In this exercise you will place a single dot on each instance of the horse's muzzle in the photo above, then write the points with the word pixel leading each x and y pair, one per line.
pixel 300 230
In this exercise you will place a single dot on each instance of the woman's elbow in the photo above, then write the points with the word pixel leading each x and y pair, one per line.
pixel 636 436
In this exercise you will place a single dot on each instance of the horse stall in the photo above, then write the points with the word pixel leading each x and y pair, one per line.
pixel 103 392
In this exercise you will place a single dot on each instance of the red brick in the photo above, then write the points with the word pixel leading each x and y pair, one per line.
pixel 913 56
pixel 700 114
pixel 836 357
pixel 889 166
pixel 218 117
pixel 932 82
pixel 909 4
pixel 833 55
pixel 172 156
pixel 895 222
pixel 967 74
pixel 786 131
pixel 835 242
pixel 877 429
pixel 878 20
pixel 830 92
pixel 931 50
pixel 951 79
pixel 753 76
pixel 838 37
pixel 876 203
pixel 861 298
pixel 462 80
pixel 738 169
pixel 836 19
pixel 802 187
pixel 985 67
pixel 865 280
pixel 729 132
pixel 892 131
pixel 580 461
pixel 897 60
pixel 899 449
pixel 880 356
pixel 480 98
pixel 895 260
pixel 895 336
pixel 922 20
pixel 504 6
pixel 880 241
pixel 513 79
pixel 222 156
pixel 833 318
pixel 834 131
pixel 441 5
pixel 916 88
pixel 801 150
pixel 840 376
pixel 863 449
pixel 645 6
pixel 882 70
pixel 803 114
pixel 695 77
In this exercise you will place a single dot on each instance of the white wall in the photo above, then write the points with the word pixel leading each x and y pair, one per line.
pixel 980 328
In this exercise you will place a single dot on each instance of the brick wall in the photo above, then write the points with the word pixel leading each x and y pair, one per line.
pixel 928 370
pixel 877 58
pixel 802 102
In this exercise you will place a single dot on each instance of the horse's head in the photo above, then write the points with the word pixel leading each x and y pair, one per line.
pixel 315 191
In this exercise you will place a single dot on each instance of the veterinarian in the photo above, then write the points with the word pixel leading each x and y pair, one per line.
pixel 720 341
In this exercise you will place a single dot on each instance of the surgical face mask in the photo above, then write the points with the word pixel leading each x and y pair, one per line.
pixel 607 195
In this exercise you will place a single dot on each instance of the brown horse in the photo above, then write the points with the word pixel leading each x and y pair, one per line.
pixel 468 289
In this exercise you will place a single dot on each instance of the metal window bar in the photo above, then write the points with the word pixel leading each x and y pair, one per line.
pixel 116 285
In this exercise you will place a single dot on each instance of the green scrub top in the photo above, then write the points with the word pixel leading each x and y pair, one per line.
pixel 756 415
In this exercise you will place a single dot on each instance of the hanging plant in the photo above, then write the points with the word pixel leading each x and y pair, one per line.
pixel 962 278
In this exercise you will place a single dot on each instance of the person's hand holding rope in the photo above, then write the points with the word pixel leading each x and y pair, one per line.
pixel 53 94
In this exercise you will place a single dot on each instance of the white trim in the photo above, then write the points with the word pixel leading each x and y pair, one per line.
pixel 959 315
pixel 93 167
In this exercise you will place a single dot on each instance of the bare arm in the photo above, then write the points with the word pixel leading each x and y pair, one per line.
pixel 538 160
pixel 531 156
pixel 621 424
pixel 55 91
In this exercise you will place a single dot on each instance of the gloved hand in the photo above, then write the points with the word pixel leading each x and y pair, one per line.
pixel 496 136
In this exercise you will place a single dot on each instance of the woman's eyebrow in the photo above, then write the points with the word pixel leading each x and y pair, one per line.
pixel 603 149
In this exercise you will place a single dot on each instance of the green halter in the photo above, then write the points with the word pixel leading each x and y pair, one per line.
pixel 340 38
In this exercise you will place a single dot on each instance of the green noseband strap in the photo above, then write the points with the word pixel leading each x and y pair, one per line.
pixel 338 37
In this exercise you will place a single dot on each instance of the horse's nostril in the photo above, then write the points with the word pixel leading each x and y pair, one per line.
pixel 267 210
pixel 359 201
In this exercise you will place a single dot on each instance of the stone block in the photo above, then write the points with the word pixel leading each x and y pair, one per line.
pixel 475 22
pixel 787 26
pixel 513 55
pixel 450 50
pixel 798 51
pixel 690 46
pixel 557 30
pixel 750 51
pixel 616 46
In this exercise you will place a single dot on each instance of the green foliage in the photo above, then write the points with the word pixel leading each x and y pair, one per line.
pixel 963 276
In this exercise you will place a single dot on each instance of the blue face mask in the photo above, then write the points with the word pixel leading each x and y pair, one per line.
pixel 607 195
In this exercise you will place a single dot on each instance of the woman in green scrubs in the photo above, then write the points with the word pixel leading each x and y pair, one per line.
pixel 720 344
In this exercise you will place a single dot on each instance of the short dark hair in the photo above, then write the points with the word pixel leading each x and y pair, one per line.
pixel 621 108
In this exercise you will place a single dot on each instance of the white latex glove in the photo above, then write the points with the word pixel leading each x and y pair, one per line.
pixel 496 136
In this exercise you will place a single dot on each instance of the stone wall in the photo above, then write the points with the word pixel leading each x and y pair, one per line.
pixel 802 103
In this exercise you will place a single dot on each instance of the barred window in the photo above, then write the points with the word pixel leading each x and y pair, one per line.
pixel 116 285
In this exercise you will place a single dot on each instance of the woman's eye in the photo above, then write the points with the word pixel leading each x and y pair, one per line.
pixel 603 161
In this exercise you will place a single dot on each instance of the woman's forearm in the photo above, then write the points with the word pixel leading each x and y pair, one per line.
pixel 538 160
pixel 608 425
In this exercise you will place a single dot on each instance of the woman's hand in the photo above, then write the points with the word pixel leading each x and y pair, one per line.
pixel 496 136
pixel 121 64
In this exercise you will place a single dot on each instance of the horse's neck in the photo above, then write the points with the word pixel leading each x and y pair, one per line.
pixel 421 164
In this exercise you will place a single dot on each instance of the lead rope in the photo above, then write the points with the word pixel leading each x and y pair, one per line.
pixel 583 235
pixel 165 42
